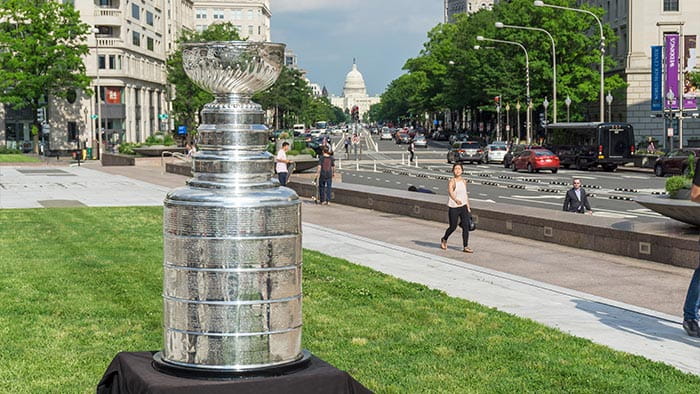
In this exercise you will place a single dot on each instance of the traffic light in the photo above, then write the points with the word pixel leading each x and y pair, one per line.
pixel 40 115
pixel 497 100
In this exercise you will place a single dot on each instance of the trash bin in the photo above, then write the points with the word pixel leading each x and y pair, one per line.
pixel 83 153
pixel 89 153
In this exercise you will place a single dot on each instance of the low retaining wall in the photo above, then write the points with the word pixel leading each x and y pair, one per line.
pixel 116 159
pixel 569 229
pixel 179 168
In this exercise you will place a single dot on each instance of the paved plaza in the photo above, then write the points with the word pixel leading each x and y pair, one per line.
pixel 626 304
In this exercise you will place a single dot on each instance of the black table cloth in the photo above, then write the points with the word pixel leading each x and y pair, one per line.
pixel 134 373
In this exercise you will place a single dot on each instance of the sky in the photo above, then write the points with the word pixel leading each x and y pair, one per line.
pixel 327 34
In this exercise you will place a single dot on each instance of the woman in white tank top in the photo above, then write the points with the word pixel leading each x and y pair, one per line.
pixel 459 209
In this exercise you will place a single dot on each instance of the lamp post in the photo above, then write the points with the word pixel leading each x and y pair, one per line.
pixel 539 3
pixel 528 126
pixel 99 95
pixel 568 106
pixel 609 100
pixel 501 25
pixel 517 108
pixel 670 96
pixel 507 122
pixel 545 104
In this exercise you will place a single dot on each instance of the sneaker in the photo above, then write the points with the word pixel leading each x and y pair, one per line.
pixel 692 328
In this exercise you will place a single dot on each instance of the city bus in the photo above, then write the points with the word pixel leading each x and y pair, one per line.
pixel 590 145
pixel 322 125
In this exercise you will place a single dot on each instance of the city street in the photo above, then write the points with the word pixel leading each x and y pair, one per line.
pixel 612 193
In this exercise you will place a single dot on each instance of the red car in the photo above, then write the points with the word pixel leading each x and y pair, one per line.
pixel 536 159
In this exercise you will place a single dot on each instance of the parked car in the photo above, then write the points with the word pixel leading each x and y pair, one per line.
pixel 457 137
pixel 535 160
pixel 385 135
pixel 676 162
pixel 440 136
pixel 495 152
pixel 420 141
pixel 465 151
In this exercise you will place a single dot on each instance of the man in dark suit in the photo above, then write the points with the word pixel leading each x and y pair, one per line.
pixel 576 199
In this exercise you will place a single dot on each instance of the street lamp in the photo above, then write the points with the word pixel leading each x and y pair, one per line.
pixel 99 95
pixel 539 3
pixel 545 104
pixel 501 25
pixel 527 80
pixel 670 96
pixel 609 100
pixel 508 122
pixel 517 107
pixel 568 105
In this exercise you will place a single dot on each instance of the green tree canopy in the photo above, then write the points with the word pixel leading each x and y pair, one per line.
pixel 449 73
pixel 189 99
pixel 42 45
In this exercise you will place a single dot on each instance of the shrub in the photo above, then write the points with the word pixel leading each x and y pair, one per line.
pixel 298 145
pixel 293 152
pixel 308 151
pixel 8 151
pixel 691 165
pixel 676 183
pixel 284 136
pixel 271 148
pixel 128 148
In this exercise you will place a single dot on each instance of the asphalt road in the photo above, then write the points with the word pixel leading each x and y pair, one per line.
pixel 612 194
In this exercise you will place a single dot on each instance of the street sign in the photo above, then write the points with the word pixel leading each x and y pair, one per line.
pixel 93 116
pixel 163 116
pixel 181 130
pixel 670 131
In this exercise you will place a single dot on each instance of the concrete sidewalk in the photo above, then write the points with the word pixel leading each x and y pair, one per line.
pixel 627 304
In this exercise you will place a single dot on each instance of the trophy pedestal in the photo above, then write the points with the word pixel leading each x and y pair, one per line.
pixel 135 372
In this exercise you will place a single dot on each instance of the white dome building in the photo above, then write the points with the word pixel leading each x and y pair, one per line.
pixel 355 93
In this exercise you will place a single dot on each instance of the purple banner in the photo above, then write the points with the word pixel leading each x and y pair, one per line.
pixel 672 63
pixel 689 89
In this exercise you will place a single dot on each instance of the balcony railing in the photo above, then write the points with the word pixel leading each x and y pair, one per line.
pixel 108 12
pixel 109 42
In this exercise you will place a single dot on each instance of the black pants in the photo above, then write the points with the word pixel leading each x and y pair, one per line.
pixel 411 153
pixel 462 215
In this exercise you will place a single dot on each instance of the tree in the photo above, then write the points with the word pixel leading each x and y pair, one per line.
pixel 288 97
pixel 189 99
pixel 42 45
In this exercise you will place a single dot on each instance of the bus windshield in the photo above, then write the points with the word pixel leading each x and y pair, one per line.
pixel 321 125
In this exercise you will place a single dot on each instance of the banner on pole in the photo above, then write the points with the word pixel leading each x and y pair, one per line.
pixel 689 63
pixel 672 64
pixel 657 95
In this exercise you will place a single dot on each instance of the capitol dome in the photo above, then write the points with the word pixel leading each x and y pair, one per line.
pixel 354 83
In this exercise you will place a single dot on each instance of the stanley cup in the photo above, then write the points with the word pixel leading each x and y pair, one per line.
pixel 232 236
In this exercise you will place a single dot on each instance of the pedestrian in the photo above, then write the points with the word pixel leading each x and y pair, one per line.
pixel 692 298
pixel 420 189
pixel 324 174
pixel 651 148
pixel 190 150
pixel 459 208
pixel 347 148
pixel 411 149
pixel 281 163
pixel 576 199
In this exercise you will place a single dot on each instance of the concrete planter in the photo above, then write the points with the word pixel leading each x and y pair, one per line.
pixel 679 208
pixel 681 194
pixel 157 150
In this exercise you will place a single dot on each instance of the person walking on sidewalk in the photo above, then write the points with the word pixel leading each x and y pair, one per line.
pixel 281 164
pixel 411 150
pixel 692 298
pixel 576 199
pixel 347 148
pixel 459 209
pixel 324 174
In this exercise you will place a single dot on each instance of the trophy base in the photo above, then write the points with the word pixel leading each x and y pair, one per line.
pixel 229 374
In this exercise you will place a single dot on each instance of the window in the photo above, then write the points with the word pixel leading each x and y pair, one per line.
pixel 149 18
pixel 250 29
pixel 670 5
pixel 200 28
pixel 237 14
pixel 250 15
pixel 259 30
pixel 72 129
pixel 115 62
pixel 105 3
pixel 201 13
pixel 135 11
pixel 149 43
pixel 101 62
pixel 136 38
pixel 71 2
pixel 218 14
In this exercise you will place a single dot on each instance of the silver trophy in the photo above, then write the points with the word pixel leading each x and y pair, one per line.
pixel 232 237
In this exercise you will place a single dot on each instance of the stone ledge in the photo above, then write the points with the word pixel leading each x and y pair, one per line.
pixel 603 235
pixel 116 159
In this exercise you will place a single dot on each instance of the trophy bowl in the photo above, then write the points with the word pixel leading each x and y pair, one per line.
pixel 233 67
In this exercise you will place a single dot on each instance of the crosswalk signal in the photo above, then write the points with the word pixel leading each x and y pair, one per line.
pixel 40 115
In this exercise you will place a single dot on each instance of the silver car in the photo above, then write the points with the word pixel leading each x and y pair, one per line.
pixel 385 135
pixel 495 153
pixel 420 141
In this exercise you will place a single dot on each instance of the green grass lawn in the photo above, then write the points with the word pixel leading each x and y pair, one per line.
pixel 79 285
pixel 17 158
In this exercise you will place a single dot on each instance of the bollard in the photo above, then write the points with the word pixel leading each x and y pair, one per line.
pixel 375 166
pixel 416 160
pixel 357 165
pixel 340 164
pixel 403 159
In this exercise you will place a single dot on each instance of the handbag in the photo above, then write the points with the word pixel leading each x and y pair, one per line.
pixel 472 225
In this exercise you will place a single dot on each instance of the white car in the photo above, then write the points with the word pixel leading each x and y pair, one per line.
pixel 385 135
pixel 495 153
